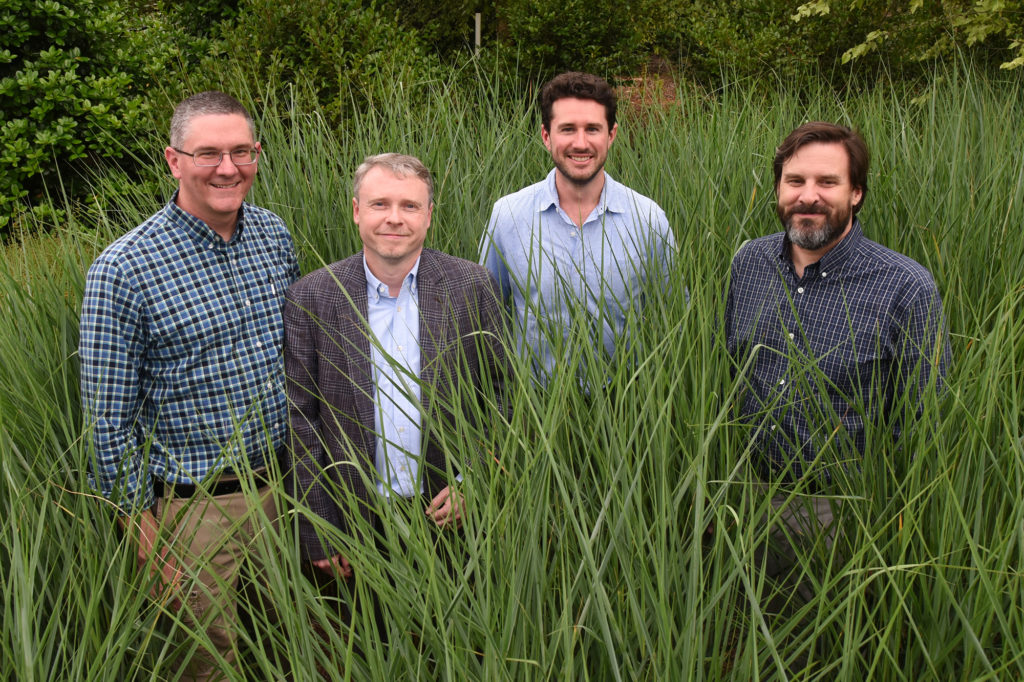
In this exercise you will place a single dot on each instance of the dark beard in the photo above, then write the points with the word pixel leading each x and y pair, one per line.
pixel 578 181
pixel 811 239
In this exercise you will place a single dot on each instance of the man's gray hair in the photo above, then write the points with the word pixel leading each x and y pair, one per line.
pixel 401 165
pixel 204 104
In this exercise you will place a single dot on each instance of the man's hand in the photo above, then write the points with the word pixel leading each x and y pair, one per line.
pixel 143 529
pixel 336 565
pixel 446 508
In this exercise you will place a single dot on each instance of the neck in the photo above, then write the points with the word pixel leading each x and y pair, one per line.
pixel 578 200
pixel 392 274
pixel 225 229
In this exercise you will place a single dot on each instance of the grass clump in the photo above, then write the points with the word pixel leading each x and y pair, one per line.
pixel 612 535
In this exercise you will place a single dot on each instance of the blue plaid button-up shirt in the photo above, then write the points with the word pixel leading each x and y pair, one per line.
pixel 820 354
pixel 181 334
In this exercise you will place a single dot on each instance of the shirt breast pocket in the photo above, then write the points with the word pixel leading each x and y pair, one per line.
pixel 192 328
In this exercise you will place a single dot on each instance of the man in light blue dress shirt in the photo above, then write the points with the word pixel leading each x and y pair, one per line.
pixel 578 249
pixel 376 345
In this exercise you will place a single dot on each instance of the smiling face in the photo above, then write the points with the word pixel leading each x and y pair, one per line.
pixel 213 194
pixel 578 139
pixel 393 214
pixel 816 197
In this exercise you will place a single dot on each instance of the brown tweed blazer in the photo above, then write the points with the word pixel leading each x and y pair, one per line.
pixel 330 379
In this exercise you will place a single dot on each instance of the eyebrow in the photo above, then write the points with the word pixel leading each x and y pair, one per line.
pixel 828 176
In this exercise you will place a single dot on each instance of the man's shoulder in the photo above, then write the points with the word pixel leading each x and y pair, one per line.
pixel 524 199
pixel 343 273
pixel 136 250
pixel 898 265
pixel 265 221
pixel 758 248
pixel 632 200
pixel 452 267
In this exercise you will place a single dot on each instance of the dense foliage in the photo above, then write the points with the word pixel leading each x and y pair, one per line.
pixel 73 77
pixel 81 78
pixel 613 536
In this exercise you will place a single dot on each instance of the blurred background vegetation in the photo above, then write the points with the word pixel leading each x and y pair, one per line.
pixel 81 80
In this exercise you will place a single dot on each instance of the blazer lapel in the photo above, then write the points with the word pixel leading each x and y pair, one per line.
pixel 434 321
pixel 360 365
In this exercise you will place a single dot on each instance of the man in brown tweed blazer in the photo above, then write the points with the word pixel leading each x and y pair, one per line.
pixel 378 348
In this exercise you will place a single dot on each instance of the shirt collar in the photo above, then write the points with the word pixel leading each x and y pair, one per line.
pixel 836 256
pixel 611 198
pixel 197 228
pixel 376 289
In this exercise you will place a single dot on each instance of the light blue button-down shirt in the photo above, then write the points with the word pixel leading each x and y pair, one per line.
pixel 557 274
pixel 395 350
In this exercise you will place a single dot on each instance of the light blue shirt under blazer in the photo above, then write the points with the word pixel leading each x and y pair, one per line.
pixel 557 274
pixel 395 349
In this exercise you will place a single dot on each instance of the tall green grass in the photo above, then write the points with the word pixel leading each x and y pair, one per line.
pixel 608 536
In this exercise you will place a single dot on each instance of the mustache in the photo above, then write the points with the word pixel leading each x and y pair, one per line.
pixel 808 208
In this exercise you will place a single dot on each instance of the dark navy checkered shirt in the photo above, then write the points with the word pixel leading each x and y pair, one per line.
pixel 181 333
pixel 820 354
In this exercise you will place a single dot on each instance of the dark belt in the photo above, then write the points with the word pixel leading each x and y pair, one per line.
pixel 229 487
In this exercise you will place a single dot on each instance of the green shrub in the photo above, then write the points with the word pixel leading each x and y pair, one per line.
pixel 73 78
pixel 752 37
pixel 923 31
pixel 600 36
pixel 444 25
pixel 341 49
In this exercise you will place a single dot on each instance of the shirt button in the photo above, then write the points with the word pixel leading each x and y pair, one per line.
pixel 401 348
pixel 248 302
pixel 800 290
pixel 824 274
pixel 259 344
pixel 399 308
pixel 781 382
pixel 773 427
pixel 791 336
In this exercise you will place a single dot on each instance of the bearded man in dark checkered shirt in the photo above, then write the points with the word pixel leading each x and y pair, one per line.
pixel 833 334
pixel 183 373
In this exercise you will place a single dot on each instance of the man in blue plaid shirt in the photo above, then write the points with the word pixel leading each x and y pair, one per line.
pixel 182 369
pixel 833 333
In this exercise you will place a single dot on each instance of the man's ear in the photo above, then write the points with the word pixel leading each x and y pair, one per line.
pixel 173 161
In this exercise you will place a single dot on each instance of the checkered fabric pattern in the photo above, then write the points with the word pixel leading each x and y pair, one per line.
pixel 181 334
pixel 832 348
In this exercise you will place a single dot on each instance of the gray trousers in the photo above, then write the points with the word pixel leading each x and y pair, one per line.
pixel 799 527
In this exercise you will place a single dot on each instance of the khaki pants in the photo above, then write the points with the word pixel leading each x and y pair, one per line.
pixel 210 537
pixel 799 522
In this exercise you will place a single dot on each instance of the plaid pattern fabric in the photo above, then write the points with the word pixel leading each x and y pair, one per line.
pixel 181 333
pixel 331 392
pixel 832 348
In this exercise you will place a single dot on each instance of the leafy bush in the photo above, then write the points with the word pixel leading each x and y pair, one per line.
pixel 600 36
pixel 341 49
pixel 752 37
pixel 445 25
pixel 72 78
pixel 923 31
